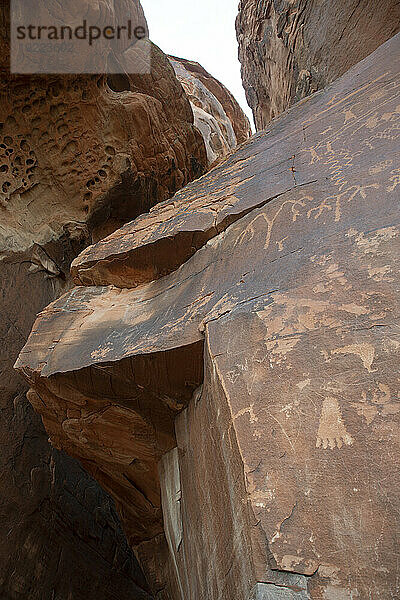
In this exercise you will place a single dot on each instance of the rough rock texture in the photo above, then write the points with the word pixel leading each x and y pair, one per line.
pixel 77 159
pixel 291 48
pixel 217 115
pixel 61 537
pixel 249 346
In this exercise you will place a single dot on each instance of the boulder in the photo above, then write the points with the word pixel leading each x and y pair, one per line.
pixel 292 48
pixel 228 369
pixel 79 156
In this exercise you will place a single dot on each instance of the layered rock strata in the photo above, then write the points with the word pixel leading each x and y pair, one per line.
pixel 217 115
pixel 230 360
pixel 292 48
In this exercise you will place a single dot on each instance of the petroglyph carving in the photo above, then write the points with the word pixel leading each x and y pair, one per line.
pixel 379 273
pixel 314 155
pixel 379 167
pixel 280 347
pixel 295 205
pixel 378 402
pixel 337 161
pixel 280 243
pixel 250 411
pixel 299 315
pixel 237 371
pixel 348 115
pixel 395 179
pixel 366 352
pixel 332 432
pixel 365 410
pixel 335 202
pixel 369 244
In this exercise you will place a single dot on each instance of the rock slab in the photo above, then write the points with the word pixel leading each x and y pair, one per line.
pixel 217 115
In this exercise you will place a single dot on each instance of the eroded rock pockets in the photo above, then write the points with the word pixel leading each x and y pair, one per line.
pixel 110 155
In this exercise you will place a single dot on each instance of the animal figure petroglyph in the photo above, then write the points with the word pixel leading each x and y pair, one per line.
pixel 332 431
pixel 331 203
pixel 366 352
pixel 296 205
pixel 335 202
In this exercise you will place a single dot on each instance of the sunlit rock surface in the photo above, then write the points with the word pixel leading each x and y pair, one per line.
pixel 292 48
pixel 229 369
pixel 217 115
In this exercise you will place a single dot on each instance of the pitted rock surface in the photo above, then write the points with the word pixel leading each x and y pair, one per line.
pixel 79 156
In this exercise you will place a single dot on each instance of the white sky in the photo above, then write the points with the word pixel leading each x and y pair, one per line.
pixel 203 31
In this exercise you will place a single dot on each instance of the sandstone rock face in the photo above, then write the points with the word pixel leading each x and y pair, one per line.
pixel 292 48
pixel 242 338
pixel 217 115
pixel 77 159
pixel 61 537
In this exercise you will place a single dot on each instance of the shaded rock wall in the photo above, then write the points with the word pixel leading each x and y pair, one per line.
pixel 242 337
pixel 79 156
pixel 52 514
pixel 217 115
pixel 292 48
